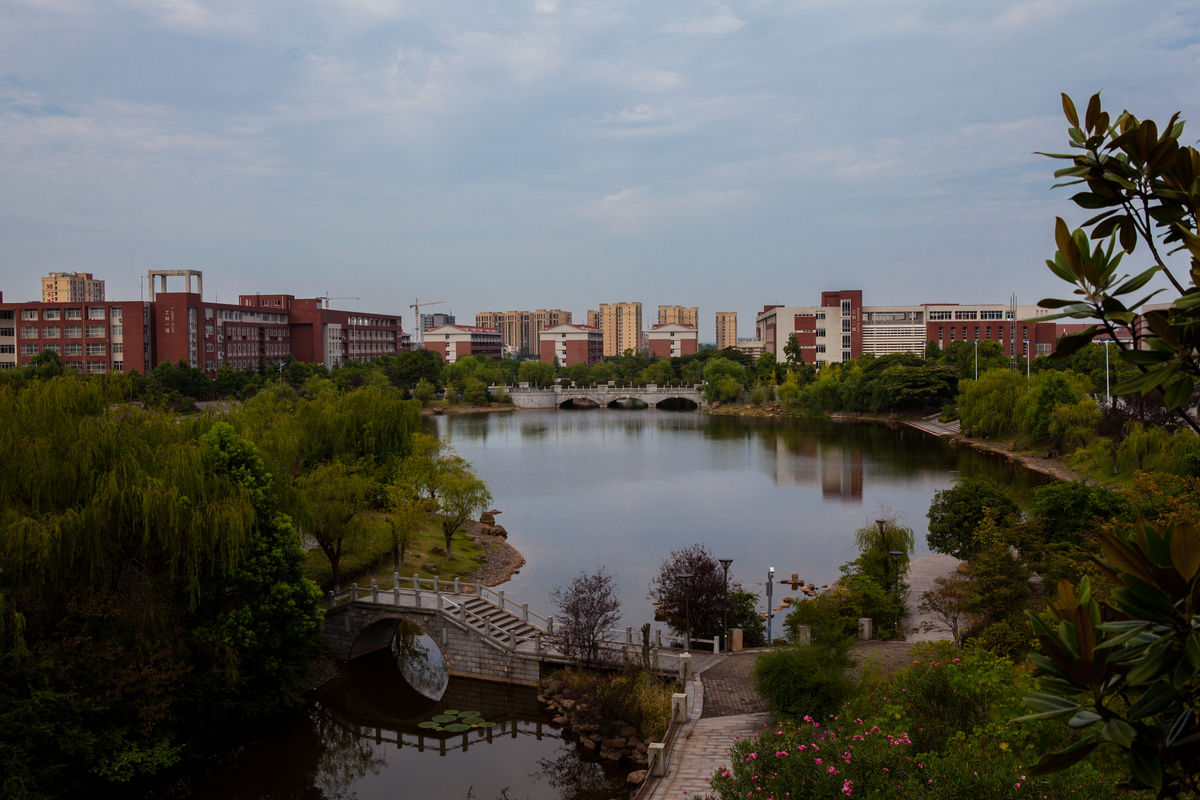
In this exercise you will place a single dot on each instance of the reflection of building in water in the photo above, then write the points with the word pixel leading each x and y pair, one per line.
pixel 803 462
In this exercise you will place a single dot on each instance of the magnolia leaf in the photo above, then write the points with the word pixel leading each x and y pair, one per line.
pixel 1185 548
pixel 1083 719
pixel 1157 698
pixel 1133 284
pixel 1048 705
pixel 1064 759
pixel 1072 342
pixel 1117 731
pixel 1179 392
pixel 1145 768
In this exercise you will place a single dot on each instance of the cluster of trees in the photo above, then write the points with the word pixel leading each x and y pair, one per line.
pixel 152 586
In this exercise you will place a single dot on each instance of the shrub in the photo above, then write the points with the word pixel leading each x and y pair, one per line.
pixel 800 680
pixel 630 695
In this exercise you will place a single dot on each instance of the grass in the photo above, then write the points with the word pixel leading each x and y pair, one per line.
pixel 369 555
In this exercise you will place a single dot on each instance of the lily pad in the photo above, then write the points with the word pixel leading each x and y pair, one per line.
pixel 455 727
pixel 445 718
pixel 427 724
pixel 487 724
pixel 439 728
pixel 451 711
pixel 465 714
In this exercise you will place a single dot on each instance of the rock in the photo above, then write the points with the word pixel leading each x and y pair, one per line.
pixel 554 687
pixel 641 748
pixel 614 744
pixel 963 568
pixel 628 731
pixel 595 737
pixel 633 741
pixel 611 755
pixel 429 567
pixel 481 559
pixel 559 720
pixel 437 550
pixel 567 704
pixel 486 530
pixel 487 518
pixel 620 724
pixel 639 758
pixel 1012 447
pixel 636 776
pixel 498 530
pixel 541 699
pixel 438 409
pixel 589 744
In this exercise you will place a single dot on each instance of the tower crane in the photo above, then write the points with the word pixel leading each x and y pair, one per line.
pixel 327 298
pixel 416 307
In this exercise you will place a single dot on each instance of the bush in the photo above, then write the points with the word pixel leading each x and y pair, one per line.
pixel 804 680
pixel 631 695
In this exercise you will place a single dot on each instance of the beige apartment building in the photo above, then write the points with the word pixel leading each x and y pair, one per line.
pixel 680 315
pixel 521 330
pixel 621 324
pixel 72 287
pixel 726 329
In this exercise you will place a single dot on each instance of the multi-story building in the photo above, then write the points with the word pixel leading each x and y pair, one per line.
pixel 72 287
pixel 93 338
pixel 594 320
pixel 621 324
pixel 681 314
pixel 172 326
pixel 453 341
pixel 435 321
pixel 842 328
pixel 568 345
pixel 751 347
pixel 726 329
pixel 519 329
pixel 673 340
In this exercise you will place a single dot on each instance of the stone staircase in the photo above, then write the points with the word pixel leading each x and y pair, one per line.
pixel 497 623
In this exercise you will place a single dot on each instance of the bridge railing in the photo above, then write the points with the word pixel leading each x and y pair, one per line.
pixel 673 641
pixel 414 586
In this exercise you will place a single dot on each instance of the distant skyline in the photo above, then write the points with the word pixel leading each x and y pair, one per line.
pixel 557 154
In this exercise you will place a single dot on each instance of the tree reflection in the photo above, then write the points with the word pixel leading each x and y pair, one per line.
pixel 420 661
pixel 347 756
pixel 577 778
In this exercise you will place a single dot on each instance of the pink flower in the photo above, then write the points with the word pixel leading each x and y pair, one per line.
pixel 848 787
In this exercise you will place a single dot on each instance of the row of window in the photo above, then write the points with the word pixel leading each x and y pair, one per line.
pixel 938 315
pixel 69 349
pixel 93 312
pixel 68 331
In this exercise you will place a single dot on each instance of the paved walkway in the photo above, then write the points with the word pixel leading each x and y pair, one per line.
pixel 729 688
pixel 921 573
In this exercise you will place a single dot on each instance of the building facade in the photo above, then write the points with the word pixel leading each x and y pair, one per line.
pixel 454 341
pixel 435 321
pixel 621 325
pixel 673 340
pixel 568 345
pixel 681 314
pixel 93 338
pixel 520 330
pixel 72 287
pixel 842 328
pixel 726 329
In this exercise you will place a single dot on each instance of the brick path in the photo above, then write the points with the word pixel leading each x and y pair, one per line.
pixel 887 656
pixel 704 749
pixel 729 688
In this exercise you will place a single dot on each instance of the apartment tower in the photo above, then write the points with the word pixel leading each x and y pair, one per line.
pixel 621 324
pixel 72 287
pixel 726 329
pixel 681 315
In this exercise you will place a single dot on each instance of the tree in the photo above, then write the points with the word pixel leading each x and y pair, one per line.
pixel 1127 672
pixel 424 392
pixel 875 547
pixel 765 369
pixel 463 495
pixel 1067 510
pixel 587 608
pixel 956 514
pixel 334 495
pixel 407 512
pixel 1144 186
pixel 705 597
pixel 792 352
pixel 1054 389
pixel 538 373
pixel 944 607
pixel 988 406
pixel 413 366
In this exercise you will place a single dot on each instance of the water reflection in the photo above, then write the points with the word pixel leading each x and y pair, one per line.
pixel 420 660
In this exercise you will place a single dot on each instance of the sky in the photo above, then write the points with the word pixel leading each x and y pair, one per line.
pixel 560 154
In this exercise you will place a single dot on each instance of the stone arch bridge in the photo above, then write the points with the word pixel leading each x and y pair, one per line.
pixel 525 396
pixel 482 634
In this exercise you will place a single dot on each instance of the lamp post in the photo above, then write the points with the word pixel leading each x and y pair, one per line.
pixel 770 610
pixel 976 359
pixel 686 577
pixel 1027 359
pixel 896 556
pixel 725 562
pixel 882 538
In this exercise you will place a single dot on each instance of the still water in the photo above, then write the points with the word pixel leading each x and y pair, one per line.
pixel 620 489
pixel 580 490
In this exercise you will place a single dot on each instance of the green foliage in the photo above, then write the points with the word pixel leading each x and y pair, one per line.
pixel 804 680
pixel 424 392
pixel 743 613
pixel 989 406
pixel 999 586
pixel 1052 390
pixel 956 514
pixel 1069 509
pixel 409 368
pixel 792 353
pixel 537 373
pixel 875 546
pixel 1073 426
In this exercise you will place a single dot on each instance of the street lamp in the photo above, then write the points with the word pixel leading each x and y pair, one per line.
pixel 725 562
pixel 1027 354
pixel 686 577
pixel 770 610
pixel 896 556
pixel 976 359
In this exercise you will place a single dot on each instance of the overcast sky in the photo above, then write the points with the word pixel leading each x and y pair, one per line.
pixel 559 154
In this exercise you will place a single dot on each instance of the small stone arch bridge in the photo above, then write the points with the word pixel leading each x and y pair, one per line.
pixel 482 634
pixel 525 396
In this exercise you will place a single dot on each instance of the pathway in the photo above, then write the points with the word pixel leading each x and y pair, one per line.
pixel 921 574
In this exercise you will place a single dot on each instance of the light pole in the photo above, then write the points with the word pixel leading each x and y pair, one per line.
pixel 725 562
pixel 976 359
pixel 770 610
pixel 687 610
pixel 882 538
pixel 896 555
pixel 1027 354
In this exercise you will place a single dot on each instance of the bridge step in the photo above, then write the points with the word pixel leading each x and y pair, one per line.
pixel 505 620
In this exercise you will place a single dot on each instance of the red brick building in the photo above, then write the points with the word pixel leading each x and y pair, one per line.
pixel 673 339
pixel 567 345
pixel 331 337
pixel 452 341
pixel 94 338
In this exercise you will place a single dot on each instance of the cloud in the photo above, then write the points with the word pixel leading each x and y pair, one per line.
pixel 720 23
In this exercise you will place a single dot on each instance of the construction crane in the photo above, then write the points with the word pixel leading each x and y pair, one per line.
pixel 416 307
pixel 327 298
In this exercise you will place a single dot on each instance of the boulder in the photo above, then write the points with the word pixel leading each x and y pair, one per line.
pixel 614 744
pixel 611 755
pixel 559 720
pixel 641 748
pixel 429 567
pixel 486 530
pixel 437 550
pixel 628 731
pixel 567 704
pixel 589 744
pixel 487 518
pixel 498 530
pixel 636 776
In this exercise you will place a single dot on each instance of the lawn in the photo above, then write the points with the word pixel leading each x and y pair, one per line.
pixel 369 555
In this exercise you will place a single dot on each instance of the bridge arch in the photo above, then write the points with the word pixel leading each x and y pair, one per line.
pixel 677 404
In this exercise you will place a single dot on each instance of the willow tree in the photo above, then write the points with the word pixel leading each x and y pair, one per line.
pixel 335 495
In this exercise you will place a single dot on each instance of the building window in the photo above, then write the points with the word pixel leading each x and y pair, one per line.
pixel 95 331
pixel 820 332
pixel 845 355
pixel 29 332
pixel 53 348
pixel 74 313
pixel 51 332
pixel 95 348
pixel 845 308
pixel 939 315
pixel 208 330
pixel 96 367
pixel 29 349
pixel 8 348
pixel 118 330
pixel 118 366
pixel 29 313
pixel 964 315
pixel 114 312
pixel 845 326
pixel 74 331
pixel 118 347
pixel 6 313
pixel 74 349
pixel 52 313
pixel 845 341
pixel 96 312
pixel 991 315
pixel 208 347
pixel 820 348
pixel 952 333
pixel 7 332
pixel 208 313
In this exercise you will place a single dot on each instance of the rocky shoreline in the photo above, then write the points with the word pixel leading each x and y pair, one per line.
pixel 612 740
